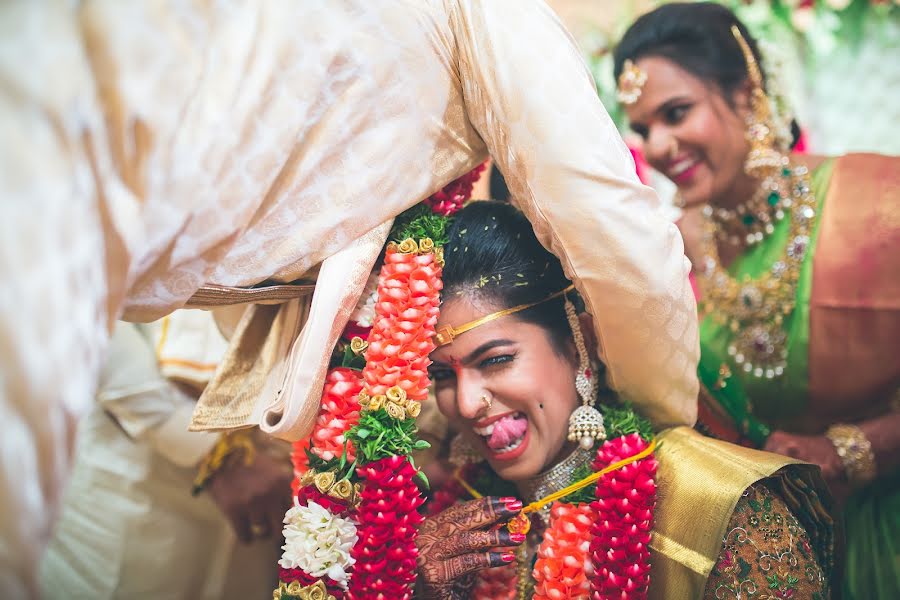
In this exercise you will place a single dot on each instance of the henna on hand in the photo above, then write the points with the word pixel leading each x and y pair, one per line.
pixel 455 543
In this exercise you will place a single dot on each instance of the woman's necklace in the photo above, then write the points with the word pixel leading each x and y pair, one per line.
pixel 755 309
pixel 751 221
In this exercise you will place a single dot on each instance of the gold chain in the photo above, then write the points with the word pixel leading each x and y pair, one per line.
pixel 755 309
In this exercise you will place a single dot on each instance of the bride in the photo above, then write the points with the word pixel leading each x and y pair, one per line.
pixel 515 359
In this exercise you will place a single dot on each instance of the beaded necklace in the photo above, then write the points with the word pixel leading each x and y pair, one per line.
pixel 752 221
pixel 755 309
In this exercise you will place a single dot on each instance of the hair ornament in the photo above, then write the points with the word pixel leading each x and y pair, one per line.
pixel 446 335
pixel 631 83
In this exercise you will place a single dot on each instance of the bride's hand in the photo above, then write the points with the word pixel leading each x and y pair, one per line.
pixel 455 542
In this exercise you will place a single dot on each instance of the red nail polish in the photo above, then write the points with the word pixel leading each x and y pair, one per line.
pixel 517 538
pixel 514 505
pixel 507 499
pixel 507 557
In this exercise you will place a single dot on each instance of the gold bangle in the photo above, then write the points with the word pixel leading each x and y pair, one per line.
pixel 855 452
pixel 235 443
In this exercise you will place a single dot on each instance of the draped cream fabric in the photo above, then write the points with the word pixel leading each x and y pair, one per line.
pixel 147 148
pixel 129 527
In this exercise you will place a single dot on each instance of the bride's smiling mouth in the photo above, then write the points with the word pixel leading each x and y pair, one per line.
pixel 504 436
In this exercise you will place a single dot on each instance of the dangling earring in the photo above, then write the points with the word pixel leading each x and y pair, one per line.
pixel 586 422
pixel 764 155
pixel 462 453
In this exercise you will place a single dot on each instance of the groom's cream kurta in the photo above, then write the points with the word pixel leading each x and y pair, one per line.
pixel 149 148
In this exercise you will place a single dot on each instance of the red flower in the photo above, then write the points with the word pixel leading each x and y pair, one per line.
pixel 726 562
pixel 405 315
pixel 338 412
pixel 290 575
pixel 621 532
pixel 353 330
pixel 563 560
pixel 333 505
pixel 452 196
pixel 388 519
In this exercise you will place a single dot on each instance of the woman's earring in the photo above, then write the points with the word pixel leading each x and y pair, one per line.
pixel 764 153
pixel 462 453
pixel 586 422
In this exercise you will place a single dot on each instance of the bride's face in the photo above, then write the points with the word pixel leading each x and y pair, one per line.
pixel 531 386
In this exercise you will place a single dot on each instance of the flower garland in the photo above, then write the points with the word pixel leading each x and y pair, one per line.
pixel 596 542
pixel 563 565
pixel 351 532
pixel 621 533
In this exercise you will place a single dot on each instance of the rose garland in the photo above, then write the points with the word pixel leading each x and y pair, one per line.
pixel 596 542
pixel 351 532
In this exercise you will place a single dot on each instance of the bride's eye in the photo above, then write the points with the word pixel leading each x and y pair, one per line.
pixel 494 361
pixel 440 373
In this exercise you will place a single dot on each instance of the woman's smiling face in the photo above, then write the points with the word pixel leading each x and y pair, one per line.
pixel 531 386
pixel 690 132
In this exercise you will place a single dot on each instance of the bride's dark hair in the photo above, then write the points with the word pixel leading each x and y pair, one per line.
pixel 697 37
pixel 494 260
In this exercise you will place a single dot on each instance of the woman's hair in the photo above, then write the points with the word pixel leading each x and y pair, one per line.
pixel 493 259
pixel 697 37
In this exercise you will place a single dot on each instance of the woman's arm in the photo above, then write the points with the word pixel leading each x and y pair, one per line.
pixel 882 433
pixel 531 98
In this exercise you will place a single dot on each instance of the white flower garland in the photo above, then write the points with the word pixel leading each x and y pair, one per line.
pixel 318 542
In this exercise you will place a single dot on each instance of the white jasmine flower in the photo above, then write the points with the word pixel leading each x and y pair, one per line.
pixel 318 542
pixel 364 313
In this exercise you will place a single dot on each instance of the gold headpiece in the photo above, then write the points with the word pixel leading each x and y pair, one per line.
pixel 764 153
pixel 631 83
pixel 446 334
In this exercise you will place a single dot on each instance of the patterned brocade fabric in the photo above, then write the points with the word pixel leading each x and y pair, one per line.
pixel 767 553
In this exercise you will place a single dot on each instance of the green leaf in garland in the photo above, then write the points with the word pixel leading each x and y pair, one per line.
pixel 378 435
pixel 420 222
pixel 586 494
pixel 623 420
pixel 351 360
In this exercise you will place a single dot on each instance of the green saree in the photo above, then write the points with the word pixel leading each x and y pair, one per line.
pixel 846 322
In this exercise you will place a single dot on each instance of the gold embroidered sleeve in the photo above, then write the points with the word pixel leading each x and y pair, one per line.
pixel 766 553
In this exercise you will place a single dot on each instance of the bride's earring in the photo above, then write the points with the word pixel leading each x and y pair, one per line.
pixel 586 422
pixel 462 453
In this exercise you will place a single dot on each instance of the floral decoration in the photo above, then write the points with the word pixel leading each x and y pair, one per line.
pixel 563 563
pixel 318 542
pixel 595 542
pixel 388 520
pixel 452 197
pixel 351 532
pixel 621 532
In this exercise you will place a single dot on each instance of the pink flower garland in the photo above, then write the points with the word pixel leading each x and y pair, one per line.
pixel 621 533
pixel 388 526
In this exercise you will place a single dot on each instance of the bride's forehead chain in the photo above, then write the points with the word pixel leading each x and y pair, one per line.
pixel 445 335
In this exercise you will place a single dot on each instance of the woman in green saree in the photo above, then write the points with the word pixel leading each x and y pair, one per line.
pixel 797 261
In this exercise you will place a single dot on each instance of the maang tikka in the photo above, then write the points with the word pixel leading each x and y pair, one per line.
pixel 586 422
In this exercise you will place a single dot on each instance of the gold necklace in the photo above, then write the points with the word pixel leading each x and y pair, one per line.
pixel 750 222
pixel 755 309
